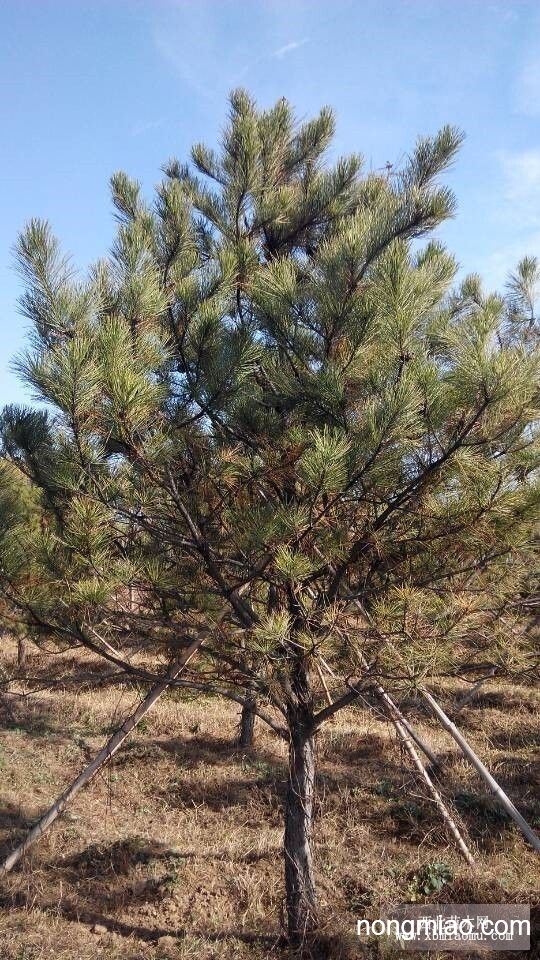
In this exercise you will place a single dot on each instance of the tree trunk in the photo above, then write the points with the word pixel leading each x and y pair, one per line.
pixel 21 654
pixel 247 725
pixel 299 877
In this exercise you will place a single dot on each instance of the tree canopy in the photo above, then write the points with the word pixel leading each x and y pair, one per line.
pixel 271 412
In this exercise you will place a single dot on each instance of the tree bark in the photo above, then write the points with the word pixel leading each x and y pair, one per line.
pixel 300 889
pixel 21 654
pixel 247 725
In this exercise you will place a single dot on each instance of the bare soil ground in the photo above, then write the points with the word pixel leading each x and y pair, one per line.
pixel 181 838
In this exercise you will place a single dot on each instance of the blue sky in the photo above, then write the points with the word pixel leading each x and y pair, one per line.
pixel 91 87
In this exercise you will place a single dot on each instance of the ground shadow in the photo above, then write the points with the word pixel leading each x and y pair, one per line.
pixel 72 910
pixel 15 823
pixel 266 791
pixel 103 879
pixel 38 718
pixel 499 700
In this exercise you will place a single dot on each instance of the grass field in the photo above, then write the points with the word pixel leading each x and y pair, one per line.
pixel 176 850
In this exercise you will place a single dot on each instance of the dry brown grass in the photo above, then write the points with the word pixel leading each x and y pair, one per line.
pixel 181 837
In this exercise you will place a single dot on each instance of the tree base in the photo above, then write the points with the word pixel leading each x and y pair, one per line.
pixel 246 734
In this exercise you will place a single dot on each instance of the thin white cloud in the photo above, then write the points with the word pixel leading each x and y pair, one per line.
pixel 175 47
pixel 516 215
pixel 288 48
pixel 528 89
pixel 495 267
pixel 521 171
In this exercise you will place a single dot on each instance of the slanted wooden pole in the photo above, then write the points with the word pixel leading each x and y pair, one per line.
pixel 409 739
pixel 394 711
pixel 99 761
pixel 381 693
pixel 396 715
pixel 505 801
pixel 324 684
pixel 443 809
pixel 502 797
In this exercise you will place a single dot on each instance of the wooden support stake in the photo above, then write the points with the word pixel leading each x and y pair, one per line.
pixel 382 694
pixel 324 683
pixel 443 809
pixel 99 761
pixel 502 797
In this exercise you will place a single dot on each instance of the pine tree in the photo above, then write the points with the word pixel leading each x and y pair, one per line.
pixel 273 418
